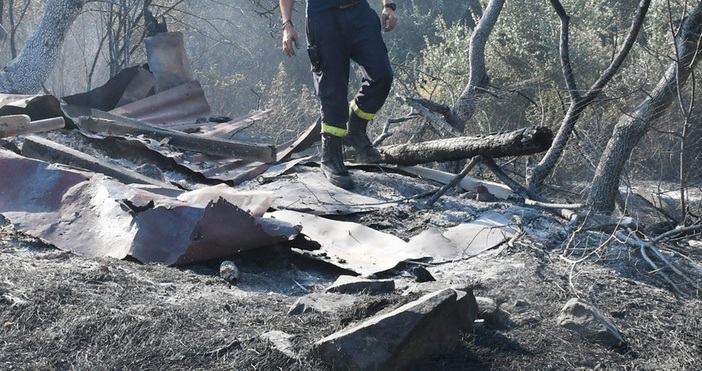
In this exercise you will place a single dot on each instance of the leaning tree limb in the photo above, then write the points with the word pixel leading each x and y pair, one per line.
pixel 537 174
pixel 632 127
pixel 466 105
pixel 520 142
pixel 437 120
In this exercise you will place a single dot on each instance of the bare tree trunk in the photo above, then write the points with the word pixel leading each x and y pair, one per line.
pixel 537 174
pixel 465 106
pixel 631 128
pixel 26 73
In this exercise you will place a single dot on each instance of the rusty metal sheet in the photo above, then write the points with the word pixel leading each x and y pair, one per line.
pixel 228 129
pixel 168 59
pixel 110 124
pixel 351 246
pixel 140 87
pixel 183 104
pixel 255 202
pixel 466 239
pixel 92 215
pixel 276 171
pixel 233 171
pixel 231 126
pixel 176 234
pixel 304 141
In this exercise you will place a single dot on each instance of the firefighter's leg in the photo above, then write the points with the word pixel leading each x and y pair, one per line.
pixel 369 51
pixel 357 137
pixel 333 162
pixel 331 82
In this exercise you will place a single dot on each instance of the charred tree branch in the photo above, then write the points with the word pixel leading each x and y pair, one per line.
pixel 537 174
pixel 386 128
pixel 516 143
pixel 439 122
pixel 453 182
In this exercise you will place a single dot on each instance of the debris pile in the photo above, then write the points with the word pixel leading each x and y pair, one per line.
pixel 138 168
pixel 99 182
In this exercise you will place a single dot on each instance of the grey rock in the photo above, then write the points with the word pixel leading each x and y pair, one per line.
pixel 229 272
pixel 421 274
pixel 280 342
pixel 427 326
pixel 322 303
pixel 467 308
pixel 354 285
pixel 467 304
pixel 492 314
pixel 587 321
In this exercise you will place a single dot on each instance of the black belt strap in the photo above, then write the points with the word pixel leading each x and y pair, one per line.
pixel 348 5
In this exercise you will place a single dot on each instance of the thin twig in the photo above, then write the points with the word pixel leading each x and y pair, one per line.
pixel 657 270
pixel 386 128
pixel 642 245
pixel 546 205
pixel 457 179
pixel 675 231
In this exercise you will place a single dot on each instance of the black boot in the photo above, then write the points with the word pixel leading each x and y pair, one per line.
pixel 333 162
pixel 358 139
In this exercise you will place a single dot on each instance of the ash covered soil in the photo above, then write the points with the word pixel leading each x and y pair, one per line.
pixel 64 312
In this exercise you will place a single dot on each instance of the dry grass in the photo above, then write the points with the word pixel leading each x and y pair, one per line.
pixel 63 312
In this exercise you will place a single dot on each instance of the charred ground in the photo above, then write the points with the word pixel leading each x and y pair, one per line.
pixel 61 312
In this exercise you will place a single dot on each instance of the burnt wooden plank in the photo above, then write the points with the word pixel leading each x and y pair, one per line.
pixel 103 122
pixel 49 151
pixel 21 125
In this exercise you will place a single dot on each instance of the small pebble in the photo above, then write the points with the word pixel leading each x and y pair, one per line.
pixel 229 272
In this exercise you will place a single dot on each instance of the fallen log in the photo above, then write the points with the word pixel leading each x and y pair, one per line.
pixel 520 142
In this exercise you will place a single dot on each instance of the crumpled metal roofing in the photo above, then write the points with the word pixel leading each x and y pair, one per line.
pixel 351 246
pixel 231 170
pixel 183 104
pixel 109 95
pixel 92 215
pixel 467 239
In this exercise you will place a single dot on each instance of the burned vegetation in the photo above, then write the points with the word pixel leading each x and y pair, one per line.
pixel 142 231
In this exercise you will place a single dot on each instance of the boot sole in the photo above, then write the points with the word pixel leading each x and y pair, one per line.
pixel 341 181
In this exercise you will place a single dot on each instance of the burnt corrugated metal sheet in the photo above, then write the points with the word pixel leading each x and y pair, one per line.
pixel 183 104
pixel 232 171
pixel 92 215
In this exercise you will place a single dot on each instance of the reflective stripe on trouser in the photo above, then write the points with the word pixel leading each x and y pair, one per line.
pixel 333 130
pixel 341 35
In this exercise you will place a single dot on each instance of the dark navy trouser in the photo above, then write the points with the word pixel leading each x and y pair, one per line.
pixel 341 35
